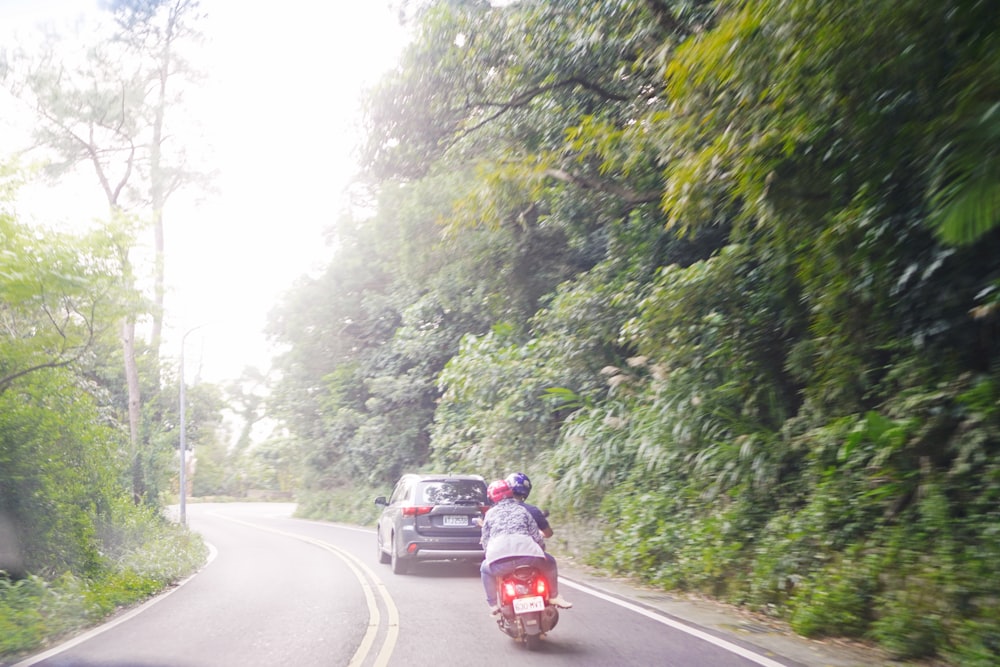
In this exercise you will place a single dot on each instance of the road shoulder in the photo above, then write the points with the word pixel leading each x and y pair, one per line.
pixel 773 637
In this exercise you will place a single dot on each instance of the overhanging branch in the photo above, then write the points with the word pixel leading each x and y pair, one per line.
pixel 524 98
pixel 628 195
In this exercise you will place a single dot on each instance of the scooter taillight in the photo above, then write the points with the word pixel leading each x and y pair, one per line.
pixel 516 587
pixel 509 591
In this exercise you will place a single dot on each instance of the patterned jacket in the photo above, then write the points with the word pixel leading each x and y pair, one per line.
pixel 509 530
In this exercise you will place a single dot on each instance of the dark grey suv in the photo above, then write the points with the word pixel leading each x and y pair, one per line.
pixel 431 517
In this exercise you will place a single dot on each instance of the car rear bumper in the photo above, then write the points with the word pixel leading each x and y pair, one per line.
pixel 430 552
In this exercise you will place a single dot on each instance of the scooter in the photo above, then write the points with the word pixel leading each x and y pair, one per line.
pixel 525 611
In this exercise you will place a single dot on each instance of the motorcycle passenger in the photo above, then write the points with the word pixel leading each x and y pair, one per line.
pixel 511 539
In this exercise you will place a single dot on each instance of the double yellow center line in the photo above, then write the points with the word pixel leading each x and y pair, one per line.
pixel 370 585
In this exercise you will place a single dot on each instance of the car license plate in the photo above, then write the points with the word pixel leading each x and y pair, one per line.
pixel 456 520
pixel 525 605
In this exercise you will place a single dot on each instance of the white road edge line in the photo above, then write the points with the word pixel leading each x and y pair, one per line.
pixel 357 567
pixel 90 634
pixel 683 627
pixel 762 660
pixel 393 621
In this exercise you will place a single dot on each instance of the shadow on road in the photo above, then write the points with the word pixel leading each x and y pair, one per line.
pixel 444 570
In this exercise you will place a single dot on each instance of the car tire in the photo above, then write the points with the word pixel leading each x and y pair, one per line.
pixel 383 557
pixel 399 565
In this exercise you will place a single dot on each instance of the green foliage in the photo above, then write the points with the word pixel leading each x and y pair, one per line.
pixel 725 271
pixel 60 293
pixel 836 599
pixel 511 419
pixel 506 395
pixel 659 536
pixel 74 545
pixel 145 554
pixel 31 609
pixel 61 468
pixel 139 540
pixel 963 193
pixel 354 504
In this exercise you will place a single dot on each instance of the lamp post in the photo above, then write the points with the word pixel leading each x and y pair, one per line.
pixel 183 438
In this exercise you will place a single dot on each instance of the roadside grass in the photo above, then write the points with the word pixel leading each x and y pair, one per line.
pixel 142 559
pixel 354 505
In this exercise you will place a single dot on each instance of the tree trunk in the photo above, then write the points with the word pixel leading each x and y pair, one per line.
pixel 134 409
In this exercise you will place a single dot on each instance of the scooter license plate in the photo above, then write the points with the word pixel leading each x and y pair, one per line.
pixel 525 605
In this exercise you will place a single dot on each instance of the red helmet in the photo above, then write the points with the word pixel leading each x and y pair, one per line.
pixel 499 490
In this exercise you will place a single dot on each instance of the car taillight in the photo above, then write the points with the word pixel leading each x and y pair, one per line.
pixel 483 508
pixel 416 510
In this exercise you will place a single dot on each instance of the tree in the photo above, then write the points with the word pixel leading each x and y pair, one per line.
pixel 60 298
pixel 106 107
pixel 489 195
pixel 728 263
pixel 59 294
pixel 247 398
pixel 156 33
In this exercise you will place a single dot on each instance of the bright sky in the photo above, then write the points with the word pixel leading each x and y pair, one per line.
pixel 279 116
pixel 282 117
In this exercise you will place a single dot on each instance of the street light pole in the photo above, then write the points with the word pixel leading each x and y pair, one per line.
pixel 183 439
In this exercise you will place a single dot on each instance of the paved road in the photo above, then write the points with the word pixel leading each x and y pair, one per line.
pixel 282 591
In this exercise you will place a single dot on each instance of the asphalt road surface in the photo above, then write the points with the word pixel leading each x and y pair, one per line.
pixel 284 591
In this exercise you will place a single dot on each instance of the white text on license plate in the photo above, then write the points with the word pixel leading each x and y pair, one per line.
pixel 524 605
pixel 456 520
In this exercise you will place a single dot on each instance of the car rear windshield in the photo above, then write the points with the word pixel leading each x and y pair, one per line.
pixel 453 492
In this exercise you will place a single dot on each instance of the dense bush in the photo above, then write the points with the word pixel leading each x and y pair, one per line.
pixel 144 553
pixel 354 504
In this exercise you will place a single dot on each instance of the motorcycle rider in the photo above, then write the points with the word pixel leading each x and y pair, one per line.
pixel 520 484
pixel 511 539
